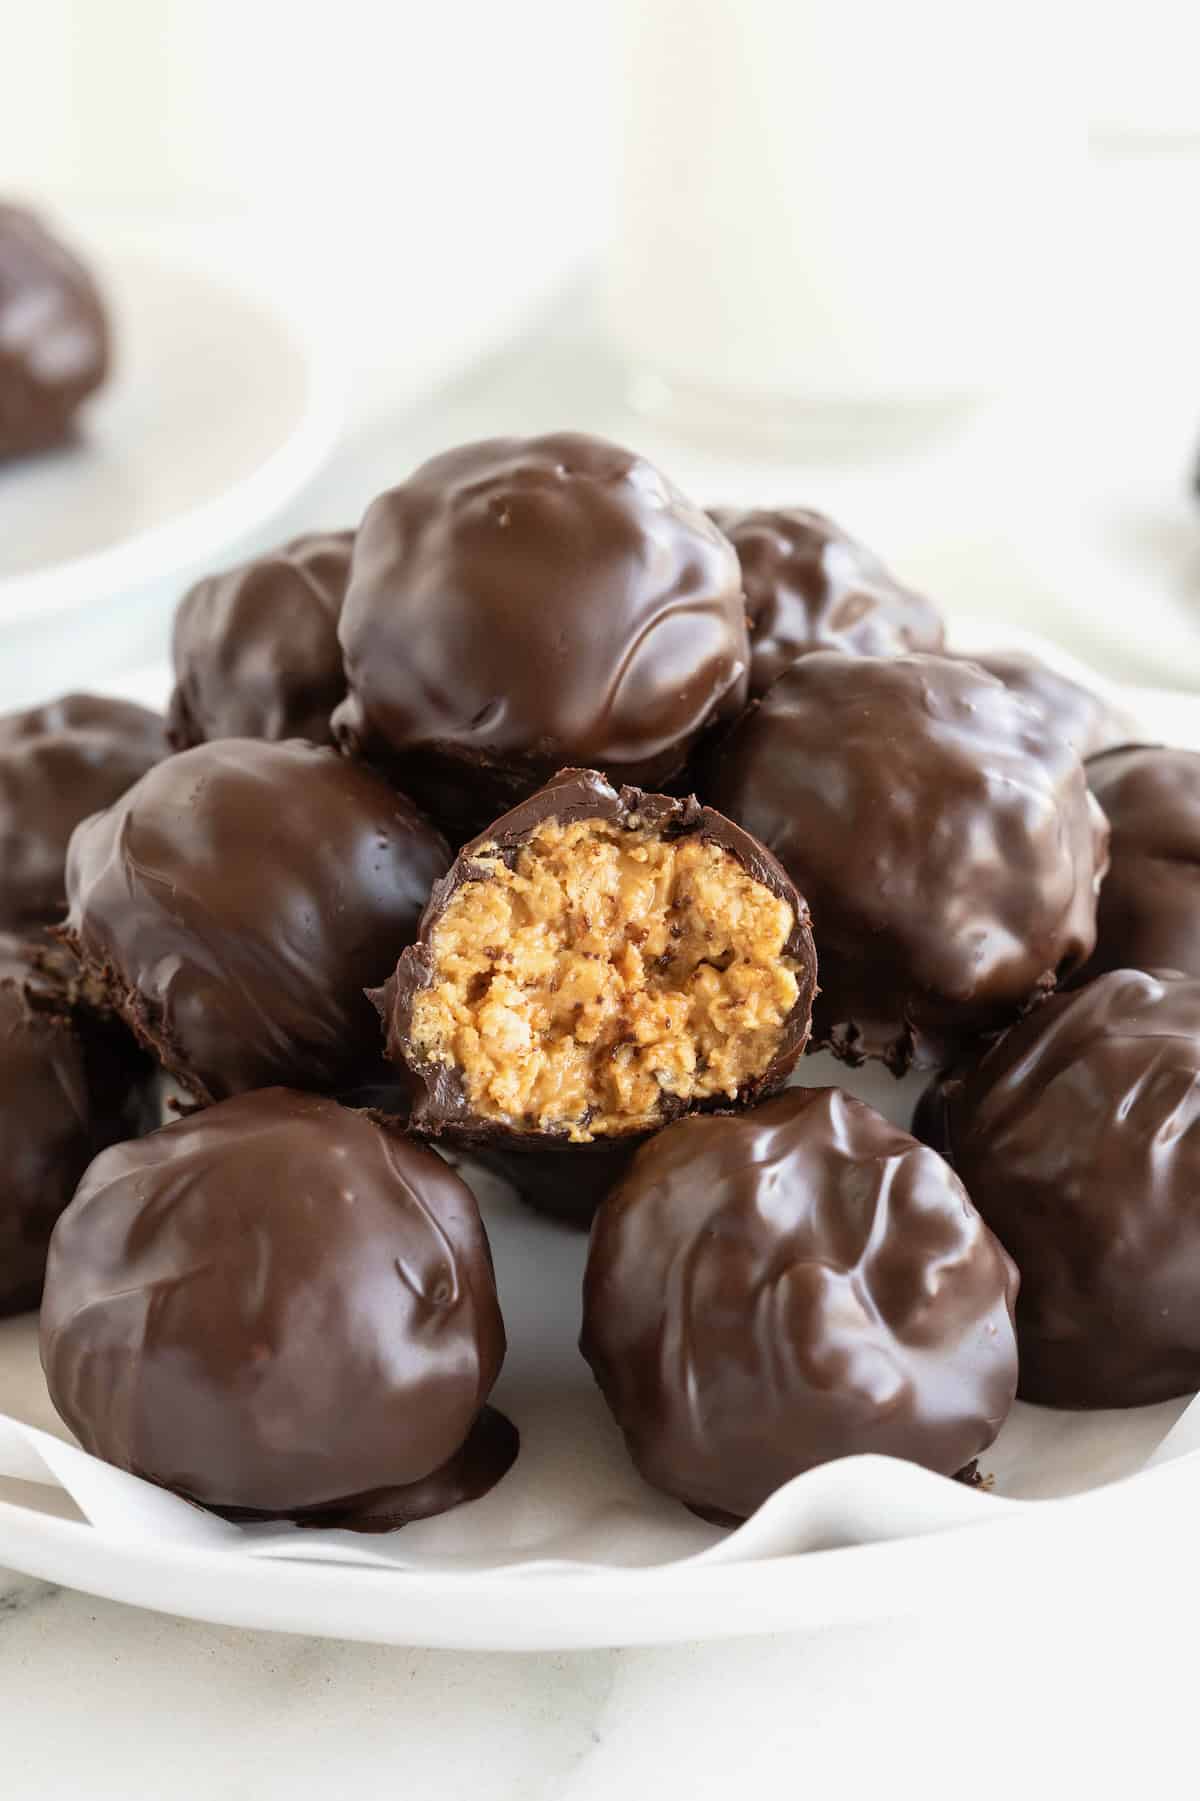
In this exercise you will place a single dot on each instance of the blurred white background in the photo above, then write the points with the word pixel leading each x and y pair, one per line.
pixel 468 156
pixel 427 172
pixel 479 154
pixel 930 267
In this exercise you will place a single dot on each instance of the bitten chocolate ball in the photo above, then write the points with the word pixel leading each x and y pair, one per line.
pixel 54 335
pixel 1078 1138
pixel 1149 915
pixel 256 650
pixel 772 1290
pixel 810 587
pixel 234 905
pixel 280 1307
pixel 1087 721
pixel 594 965
pixel 59 763
pixel 944 837
pixel 66 1090
pixel 523 604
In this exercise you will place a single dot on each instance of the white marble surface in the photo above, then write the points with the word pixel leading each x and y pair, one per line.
pixel 101 1703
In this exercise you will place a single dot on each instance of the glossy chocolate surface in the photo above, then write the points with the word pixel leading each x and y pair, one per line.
pixel 944 837
pixel 520 605
pixel 810 587
pixel 280 1307
pixel 256 650
pixel 565 1182
pixel 1078 1138
pixel 59 763
pixel 63 1096
pixel 1149 915
pixel 1087 721
pixel 767 1291
pixel 441 1105
pixel 54 335
pixel 239 899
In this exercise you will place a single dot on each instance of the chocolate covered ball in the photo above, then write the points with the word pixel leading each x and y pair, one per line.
pixel 523 604
pixel 944 837
pixel 595 964
pixel 1149 916
pixel 256 650
pixel 562 1181
pixel 280 1307
pixel 66 1090
pixel 1087 721
pixel 1078 1138
pixel 810 587
pixel 54 335
pixel 771 1290
pixel 235 903
pixel 59 763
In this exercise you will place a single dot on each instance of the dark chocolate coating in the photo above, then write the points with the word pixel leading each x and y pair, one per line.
pixel 1087 721
pixel 771 1290
pixel 255 649
pixel 59 763
pixel 54 335
pixel 944 837
pixel 1078 1138
pixel 441 1106
pixel 810 587
pixel 236 902
pixel 566 1182
pixel 523 604
pixel 279 1307
pixel 63 1096
pixel 1149 915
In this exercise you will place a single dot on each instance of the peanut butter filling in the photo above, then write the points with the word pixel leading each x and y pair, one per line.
pixel 609 968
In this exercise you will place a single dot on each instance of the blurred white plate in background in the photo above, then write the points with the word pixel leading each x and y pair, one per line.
pixel 216 415
pixel 1133 582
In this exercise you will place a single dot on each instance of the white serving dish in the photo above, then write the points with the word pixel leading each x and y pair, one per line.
pixel 571 1549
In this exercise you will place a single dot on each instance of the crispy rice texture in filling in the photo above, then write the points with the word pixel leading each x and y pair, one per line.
pixel 609 967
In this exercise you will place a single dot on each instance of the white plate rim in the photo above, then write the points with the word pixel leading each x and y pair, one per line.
pixel 1054 1546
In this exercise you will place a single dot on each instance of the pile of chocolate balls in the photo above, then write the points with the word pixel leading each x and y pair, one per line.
pixel 542 824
